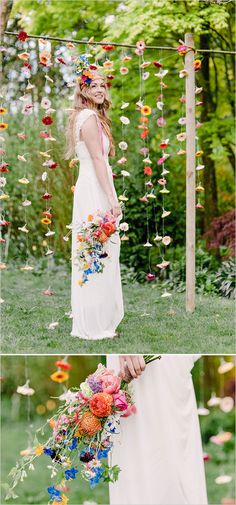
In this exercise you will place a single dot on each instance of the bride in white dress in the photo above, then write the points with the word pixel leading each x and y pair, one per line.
pixel 159 447
pixel 97 305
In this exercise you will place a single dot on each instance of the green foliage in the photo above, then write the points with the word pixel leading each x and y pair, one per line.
pixel 225 279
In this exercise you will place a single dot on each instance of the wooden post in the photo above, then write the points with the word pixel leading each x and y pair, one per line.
pixel 190 176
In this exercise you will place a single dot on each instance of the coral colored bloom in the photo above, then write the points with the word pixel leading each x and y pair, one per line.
pixel 108 228
pixel 63 364
pixel 147 170
pixel 101 404
pixel 59 376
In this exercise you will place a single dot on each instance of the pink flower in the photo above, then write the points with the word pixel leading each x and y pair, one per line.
pixel 110 383
pixel 130 410
pixel 161 121
pixel 120 401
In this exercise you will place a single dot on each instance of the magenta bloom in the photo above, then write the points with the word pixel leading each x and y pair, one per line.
pixel 120 401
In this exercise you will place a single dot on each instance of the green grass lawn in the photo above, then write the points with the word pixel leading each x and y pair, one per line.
pixel 147 325
pixel 34 489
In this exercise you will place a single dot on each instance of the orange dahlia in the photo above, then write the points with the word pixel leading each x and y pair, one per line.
pixel 89 424
pixel 101 404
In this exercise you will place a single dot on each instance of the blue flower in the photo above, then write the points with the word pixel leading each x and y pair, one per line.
pixel 102 453
pixel 54 493
pixel 71 473
pixel 74 444
pixel 48 451
pixel 96 479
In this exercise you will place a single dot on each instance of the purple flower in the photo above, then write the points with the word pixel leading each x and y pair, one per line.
pixel 94 384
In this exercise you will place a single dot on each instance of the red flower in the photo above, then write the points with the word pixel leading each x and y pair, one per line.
pixel 25 64
pixel 110 77
pixel 108 47
pixel 47 120
pixel 4 167
pixel 46 196
pixel 22 36
pixel 147 170
pixel 63 365
pixel 61 60
pixel 157 64
pixel 109 84
pixel 53 165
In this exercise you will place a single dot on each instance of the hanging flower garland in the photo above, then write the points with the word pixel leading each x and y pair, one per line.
pixel 4 168
pixel 23 157
pixel 145 111
pixel 123 146
pixel 181 137
pixel 48 163
pixel 163 240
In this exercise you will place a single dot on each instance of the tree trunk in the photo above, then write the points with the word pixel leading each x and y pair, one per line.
pixel 208 109
pixel 5 10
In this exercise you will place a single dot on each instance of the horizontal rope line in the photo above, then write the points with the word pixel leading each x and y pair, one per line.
pixel 116 44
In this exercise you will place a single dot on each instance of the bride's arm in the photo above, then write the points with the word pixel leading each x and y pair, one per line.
pixel 135 365
pixel 91 137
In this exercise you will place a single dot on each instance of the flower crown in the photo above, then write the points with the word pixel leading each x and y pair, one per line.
pixel 85 70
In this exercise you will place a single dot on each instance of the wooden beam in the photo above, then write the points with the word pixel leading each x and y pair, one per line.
pixel 190 176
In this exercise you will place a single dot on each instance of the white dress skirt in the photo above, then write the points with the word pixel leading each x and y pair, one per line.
pixel 97 305
pixel 159 448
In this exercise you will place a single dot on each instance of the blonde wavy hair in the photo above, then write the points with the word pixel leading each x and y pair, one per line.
pixel 81 101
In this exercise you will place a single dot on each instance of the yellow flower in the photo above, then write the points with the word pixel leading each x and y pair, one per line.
pixel 59 376
pixel 199 153
pixel 146 110
pixel 73 163
pixel 3 126
pixel 3 110
pixel 62 502
pixel 46 220
pixel 67 463
pixel 199 188
pixel 38 450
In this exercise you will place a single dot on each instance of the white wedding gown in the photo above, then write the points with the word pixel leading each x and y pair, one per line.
pixel 97 306
pixel 159 448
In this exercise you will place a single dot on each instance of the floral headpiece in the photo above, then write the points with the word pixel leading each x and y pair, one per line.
pixel 85 70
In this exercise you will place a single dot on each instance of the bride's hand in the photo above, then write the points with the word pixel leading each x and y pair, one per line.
pixel 115 207
pixel 131 367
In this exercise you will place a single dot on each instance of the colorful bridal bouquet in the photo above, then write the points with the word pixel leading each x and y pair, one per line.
pixel 91 238
pixel 83 432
